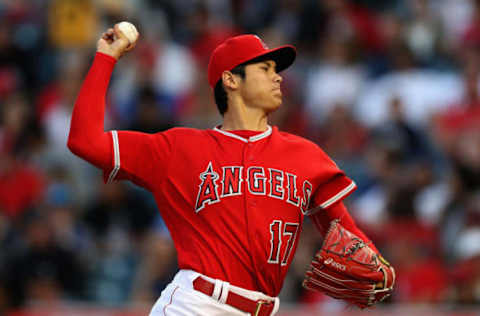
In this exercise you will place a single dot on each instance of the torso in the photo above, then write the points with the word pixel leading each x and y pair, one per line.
pixel 234 206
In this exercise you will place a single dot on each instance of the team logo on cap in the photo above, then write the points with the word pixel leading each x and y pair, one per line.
pixel 262 42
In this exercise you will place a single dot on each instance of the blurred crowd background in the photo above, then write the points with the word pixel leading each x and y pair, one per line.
pixel 389 89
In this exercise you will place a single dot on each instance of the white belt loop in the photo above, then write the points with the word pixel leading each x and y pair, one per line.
pixel 217 289
pixel 276 305
pixel 225 290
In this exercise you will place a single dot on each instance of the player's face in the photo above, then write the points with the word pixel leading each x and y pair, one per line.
pixel 261 87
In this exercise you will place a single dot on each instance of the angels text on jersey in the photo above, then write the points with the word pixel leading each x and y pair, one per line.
pixel 216 185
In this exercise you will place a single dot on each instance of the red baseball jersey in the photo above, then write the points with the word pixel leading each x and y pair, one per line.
pixel 234 205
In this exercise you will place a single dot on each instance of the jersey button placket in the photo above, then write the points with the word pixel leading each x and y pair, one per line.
pixel 249 199
pixel 249 150
pixel 247 156
pixel 251 202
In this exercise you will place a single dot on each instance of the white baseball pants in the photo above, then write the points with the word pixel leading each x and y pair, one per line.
pixel 180 299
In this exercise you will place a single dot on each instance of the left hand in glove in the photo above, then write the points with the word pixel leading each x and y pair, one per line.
pixel 347 268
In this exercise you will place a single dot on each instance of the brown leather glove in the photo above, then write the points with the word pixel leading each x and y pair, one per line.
pixel 347 268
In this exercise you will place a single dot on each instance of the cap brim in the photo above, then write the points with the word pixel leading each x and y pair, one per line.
pixel 284 56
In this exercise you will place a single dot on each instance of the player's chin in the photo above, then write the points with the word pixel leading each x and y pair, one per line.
pixel 274 106
pixel 277 101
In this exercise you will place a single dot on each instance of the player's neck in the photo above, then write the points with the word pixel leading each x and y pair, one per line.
pixel 243 119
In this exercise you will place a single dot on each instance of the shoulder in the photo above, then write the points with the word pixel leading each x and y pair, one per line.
pixel 183 135
pixel 183 132
pixel 295 139
pixel 300 144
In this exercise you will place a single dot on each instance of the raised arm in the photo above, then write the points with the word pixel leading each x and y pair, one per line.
pixel 87 138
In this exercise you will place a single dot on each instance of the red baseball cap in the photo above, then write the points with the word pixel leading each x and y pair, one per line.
pixel 240 49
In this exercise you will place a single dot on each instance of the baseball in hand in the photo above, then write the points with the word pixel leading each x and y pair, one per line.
pixel 129 30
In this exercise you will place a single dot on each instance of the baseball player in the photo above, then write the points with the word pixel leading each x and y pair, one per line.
pixel 233 197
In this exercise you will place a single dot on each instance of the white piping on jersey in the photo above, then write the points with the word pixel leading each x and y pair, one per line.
pixel 116 157
pixel 338 196
pixel 332 200
pixel 250 139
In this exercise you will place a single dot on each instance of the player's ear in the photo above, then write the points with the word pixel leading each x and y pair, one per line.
pixel 229 80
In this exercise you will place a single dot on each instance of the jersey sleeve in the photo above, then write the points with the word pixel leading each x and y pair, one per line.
pixel 140 157
pixel 332 185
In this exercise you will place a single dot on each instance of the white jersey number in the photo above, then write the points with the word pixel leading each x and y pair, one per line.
pixel 278 235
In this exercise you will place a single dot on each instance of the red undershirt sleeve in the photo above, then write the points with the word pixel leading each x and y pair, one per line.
pixel 322 220
pixel 87 138
pixel 140 157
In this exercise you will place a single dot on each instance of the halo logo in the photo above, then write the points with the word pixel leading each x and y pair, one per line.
pixel 262 42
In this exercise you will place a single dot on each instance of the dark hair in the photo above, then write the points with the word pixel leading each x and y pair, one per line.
pixel 219 90
pixel 221 94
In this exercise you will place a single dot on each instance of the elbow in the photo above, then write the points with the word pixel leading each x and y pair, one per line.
pixel 74 145
pixel 95 152
pixel 78 144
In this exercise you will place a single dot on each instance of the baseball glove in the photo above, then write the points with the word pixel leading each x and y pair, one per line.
pixel 347 268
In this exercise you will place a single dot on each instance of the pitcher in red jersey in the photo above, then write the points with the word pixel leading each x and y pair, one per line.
pixel 235 214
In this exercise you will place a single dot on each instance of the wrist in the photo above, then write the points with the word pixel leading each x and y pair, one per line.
pixel 108 58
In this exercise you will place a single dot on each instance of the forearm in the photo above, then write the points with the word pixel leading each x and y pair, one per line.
pixel 87 138
pixel 322 220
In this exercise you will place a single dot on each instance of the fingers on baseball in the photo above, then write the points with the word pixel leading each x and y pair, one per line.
pixel 131 45
pixel 108 36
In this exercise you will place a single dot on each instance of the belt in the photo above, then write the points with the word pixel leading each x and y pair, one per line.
pixel 255 308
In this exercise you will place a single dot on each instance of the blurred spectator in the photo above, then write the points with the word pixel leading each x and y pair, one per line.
pixel 336 80
pixel 156 268
pixel 433 195
pixel 465 272
pixel 396 153
pixel 151 117
pixel 15 118
pixel 54 107
pixel 10 60
pixel 350 22
pixel 207 32
pixel 457 128
pixel 113 11
pixel 72 23
pixel 112 268
pixel 119 208
pixel 455 18
pixel 41 270
pixel 397 132
pixel 26 183
pixel 158 63
pixel 119 222
pixel 16 175
pixel 4 303
pixel 67 230
pixel 465 279
pixel 56 110
pixel 412 247
pixel 423 32
pixel 461 215
pixel 341 136
pixel 422 91
pixel 253 15
pixel 467 247
pixel 287 21
pixel 471 35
